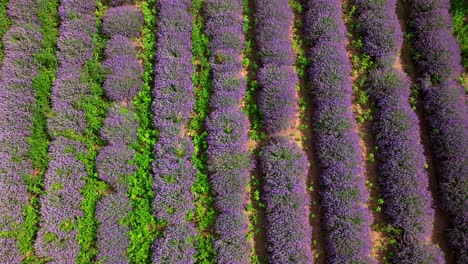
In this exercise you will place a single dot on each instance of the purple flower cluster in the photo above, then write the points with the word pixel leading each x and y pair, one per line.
pixel 60 206
pixel 439 66
pixel 346 220
pixel 402 178
pixel 119 132
pixel 123 20
pixel 228 156
pixel 17 95
pixel 174 173
pixel 276 78
pixel 283 163
pixel 284 169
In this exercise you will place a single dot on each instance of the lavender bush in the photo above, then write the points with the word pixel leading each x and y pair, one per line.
pixel 346 220
pixel 119 131
pixel 288 233
pixel 21 41
pixel 60 206
pixel 228 158
pixel 403 180
pixel 174 174
pixel 123 20
pixel 283 164
pixel 438 60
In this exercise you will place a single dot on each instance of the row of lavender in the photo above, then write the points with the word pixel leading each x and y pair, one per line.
pixel 174 173
pixel 121 24
pixel 21 42
pixel 346 220
pixel 403 180
pixel 227 152
pixel 283 164
pixel 438 63
pixel 60 205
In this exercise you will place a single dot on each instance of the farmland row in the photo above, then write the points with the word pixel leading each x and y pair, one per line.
pixel 121 24
pixel 438 61
pixel 228 159
pixel 346 220
pixel 22 42
pixel 174 173
pixel 175 131
pixel 283 164
pixel 68 126
pixel 403 180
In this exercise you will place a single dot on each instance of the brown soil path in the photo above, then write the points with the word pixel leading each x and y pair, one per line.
pixel 441 219
pixel 380 239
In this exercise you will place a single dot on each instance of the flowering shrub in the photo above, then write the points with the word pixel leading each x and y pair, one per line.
pixel 283 163
pixel 346 220
pixel 403 180
pixel 288 233
pixel 174 173
pixel 124 20
pixel 60 206
pixel 228 157
pixel 20 42
pixel 438 60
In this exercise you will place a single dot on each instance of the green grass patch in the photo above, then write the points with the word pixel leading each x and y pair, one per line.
pixel 4 24
pixel 143 226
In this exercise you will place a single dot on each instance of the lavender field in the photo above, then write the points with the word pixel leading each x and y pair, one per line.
pixel 233 131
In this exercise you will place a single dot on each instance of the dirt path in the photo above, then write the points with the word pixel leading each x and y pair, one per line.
pixel 441 219
pixel 380 239
pixel 303 135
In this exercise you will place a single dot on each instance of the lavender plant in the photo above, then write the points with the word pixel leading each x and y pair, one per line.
pixel 402 177
pixel 346 220
pixel 438 60
pixel 283 164
pixel 174 173
pixel 228 158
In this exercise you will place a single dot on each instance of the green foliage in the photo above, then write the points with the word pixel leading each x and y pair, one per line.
pixel 4 24
pixel 95 108
pixel 204 209
pixel 459 9
pixel 144 227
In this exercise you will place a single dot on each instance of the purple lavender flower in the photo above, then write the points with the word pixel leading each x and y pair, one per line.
pixel 346 220
pixel 123 20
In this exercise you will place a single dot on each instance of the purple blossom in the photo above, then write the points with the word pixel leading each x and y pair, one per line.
pixel 112 233
pixel 21 42
pixel 123 20
pixel 174 173
pixel 119 131
pixel 288 233
pixel 438 62
pixel 346 220
pixel 60 205
pixel 403 180
pixel 124 80
pixel 119 45
pixel 228 157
